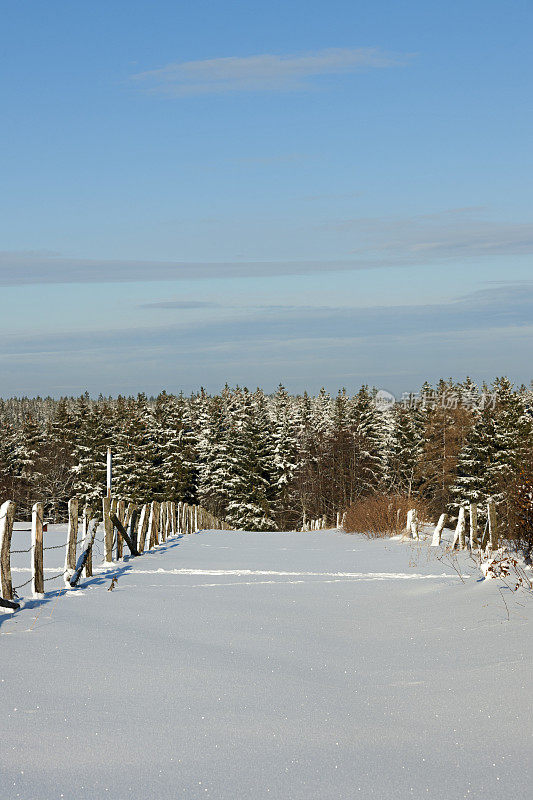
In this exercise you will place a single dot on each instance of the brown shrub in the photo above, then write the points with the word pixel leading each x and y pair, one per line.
pixel 382 515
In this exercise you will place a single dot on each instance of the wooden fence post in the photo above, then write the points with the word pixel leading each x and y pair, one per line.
pixel 153 526
pixel 37 544
pixel 87 544
pixel 86 551
pixel 163 521
pixel 437 533
pixel 415 525
pixel 108 530
pixel 474 534
pixel 143 527
pixel 459 536
pixel 168 531
pixel 407 532
pixel 130 508
pixel 72 538
pixel 121 510
pixel 493 525
pixel 127 534
pixel 173 518
pixel 7 515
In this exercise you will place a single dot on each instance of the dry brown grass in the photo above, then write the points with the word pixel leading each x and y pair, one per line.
pixel 382 515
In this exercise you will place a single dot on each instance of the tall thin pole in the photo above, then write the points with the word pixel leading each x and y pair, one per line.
pixel 109 471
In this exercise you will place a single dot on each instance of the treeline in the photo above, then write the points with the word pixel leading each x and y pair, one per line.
pixel 269 462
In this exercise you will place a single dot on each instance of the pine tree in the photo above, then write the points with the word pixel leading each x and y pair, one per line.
pixel 214 454
pixel 286 430
pixel 89 453
pixel 175 448
pixel 252 461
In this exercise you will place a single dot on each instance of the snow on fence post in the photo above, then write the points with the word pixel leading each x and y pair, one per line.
pixel 437 533
pixel 7 515
pixel 459 536
pixel 409 524
pixel 162 521
pixel 493 525
pixel 72 538
pixel 143 527
pixel 121 510
pixel 474 535
pixel 109 472
pixel 195 519
pixel 37 552
pixel 178 516
pixel 168 531
pixel 108 530
pixel 87 541
pixel 157 518
pixel 163 518
pixel 173 518
pixel 414 524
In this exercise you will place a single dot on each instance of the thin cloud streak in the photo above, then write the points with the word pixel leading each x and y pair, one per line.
pixel 22 269
pixel 486 310
pixel 261 73
pixel 461 233
pixel 180 305
pixel 375 243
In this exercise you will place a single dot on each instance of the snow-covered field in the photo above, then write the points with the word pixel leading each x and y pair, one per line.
pixel 268 665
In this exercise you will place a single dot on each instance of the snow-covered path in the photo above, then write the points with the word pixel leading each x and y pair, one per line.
pixel 300 665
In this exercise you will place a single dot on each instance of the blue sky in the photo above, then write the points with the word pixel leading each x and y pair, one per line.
pixel 309 193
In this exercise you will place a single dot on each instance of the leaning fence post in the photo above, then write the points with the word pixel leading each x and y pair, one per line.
pixel 90 533
pixel 37 549
pixel 437 533
pixel 7 515
pixel 493 524
pixel 474 536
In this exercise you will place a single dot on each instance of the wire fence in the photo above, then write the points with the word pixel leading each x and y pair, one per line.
pixel 156 522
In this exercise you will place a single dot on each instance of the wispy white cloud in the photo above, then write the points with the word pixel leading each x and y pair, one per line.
pixel 468 232
pixel 265 72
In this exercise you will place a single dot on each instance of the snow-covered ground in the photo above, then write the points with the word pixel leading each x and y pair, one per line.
pixel 268 665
